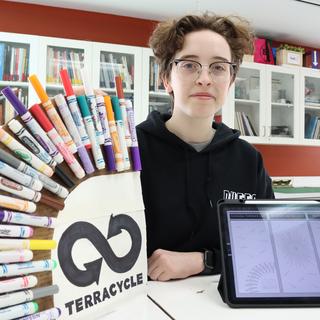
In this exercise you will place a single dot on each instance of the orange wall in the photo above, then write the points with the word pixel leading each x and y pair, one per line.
pixel 75 24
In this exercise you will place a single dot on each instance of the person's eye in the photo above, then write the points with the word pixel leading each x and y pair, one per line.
pixel 190 66
pixel 219 67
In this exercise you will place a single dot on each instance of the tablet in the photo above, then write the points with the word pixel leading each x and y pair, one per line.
pixel 270 253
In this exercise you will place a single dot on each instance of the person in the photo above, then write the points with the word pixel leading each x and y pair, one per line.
pixel 190 162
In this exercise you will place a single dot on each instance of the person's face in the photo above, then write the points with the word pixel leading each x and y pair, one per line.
pixel 200 93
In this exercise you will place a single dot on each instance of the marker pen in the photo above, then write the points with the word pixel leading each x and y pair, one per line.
pixel 52 113
pixel 50 314
pixel 48 183
pixel 122 103
pixel 18 311
pixel 120 130
pixel 68 120
pixel 14 269
pixel 19 283
pixel 91 100
pixel 32 124
pixel 30 142
pixel 108 150
pixel 11 244
pixel 15 231
pixel 15 256
pixel 17 204
pixel 28 194
pixel 23 153
pixel 58 142
pixel 96 151
pixel 74 108
pixel 27 219
pixel 114 135
pixel 11 299
pixel 134 149
pixel 20 177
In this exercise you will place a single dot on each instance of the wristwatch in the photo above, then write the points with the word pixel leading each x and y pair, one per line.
pixel 208 261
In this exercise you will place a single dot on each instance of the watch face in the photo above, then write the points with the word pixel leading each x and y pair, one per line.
pixel 208 259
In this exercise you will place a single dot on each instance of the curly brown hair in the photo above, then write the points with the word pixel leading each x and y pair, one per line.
pixel 168 37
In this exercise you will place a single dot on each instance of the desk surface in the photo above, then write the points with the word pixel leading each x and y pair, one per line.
pixel 198 298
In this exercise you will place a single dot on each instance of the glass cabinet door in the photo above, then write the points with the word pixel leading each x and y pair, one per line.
pixel 59 58
pixel 247 102
pixel 14 72
pixel 159 99
pixel 117 64
pixel 282 105
pixel 311 108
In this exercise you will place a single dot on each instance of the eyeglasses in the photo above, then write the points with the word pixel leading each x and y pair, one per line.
pixel 220 71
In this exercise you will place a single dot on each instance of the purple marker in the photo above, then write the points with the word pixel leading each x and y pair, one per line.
pixel 33 125
pixel 134 149
pixel 107 145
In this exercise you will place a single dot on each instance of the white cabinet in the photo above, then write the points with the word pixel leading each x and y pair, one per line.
pixel 264 104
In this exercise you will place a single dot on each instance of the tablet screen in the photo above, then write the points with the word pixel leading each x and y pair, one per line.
pixel 275 251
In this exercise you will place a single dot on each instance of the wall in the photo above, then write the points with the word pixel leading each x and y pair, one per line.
pixel 75 24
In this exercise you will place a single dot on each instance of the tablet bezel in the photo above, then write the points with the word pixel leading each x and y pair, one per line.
pixel 227 268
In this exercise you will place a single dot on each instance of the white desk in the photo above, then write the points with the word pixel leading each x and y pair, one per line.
pixel 138 308
pixel 198 298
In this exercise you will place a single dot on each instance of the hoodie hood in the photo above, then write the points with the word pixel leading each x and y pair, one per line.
pixel 155 125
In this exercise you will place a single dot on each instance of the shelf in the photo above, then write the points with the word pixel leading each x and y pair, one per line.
pixel 315 106
pixel 278 104
pixel 14 83
pixel 130 91
pixel 247 101
pixel 158 94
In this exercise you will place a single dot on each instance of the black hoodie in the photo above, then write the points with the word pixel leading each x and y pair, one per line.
pixel 181 186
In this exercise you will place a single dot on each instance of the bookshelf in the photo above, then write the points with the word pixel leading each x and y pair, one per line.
pixel 111 60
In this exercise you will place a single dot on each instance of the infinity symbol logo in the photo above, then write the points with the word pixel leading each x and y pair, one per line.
pixel 85 230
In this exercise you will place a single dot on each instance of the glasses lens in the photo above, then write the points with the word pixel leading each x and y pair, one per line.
pixel 221 71
pixel 189 68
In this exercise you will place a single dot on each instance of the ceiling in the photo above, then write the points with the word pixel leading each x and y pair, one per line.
pixel 289 21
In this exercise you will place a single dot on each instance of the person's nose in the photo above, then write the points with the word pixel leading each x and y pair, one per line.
pixel 204 77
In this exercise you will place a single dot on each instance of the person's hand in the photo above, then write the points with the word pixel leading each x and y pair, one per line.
pixel 165 265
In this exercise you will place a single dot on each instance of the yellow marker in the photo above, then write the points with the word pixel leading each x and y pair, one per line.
pixel 10 244
pixel 52 113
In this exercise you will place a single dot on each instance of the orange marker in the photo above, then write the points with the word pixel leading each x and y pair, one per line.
pixel 114 135
pixel 52 113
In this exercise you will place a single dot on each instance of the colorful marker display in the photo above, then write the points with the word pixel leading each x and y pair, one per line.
pixel 17 204
pixel 15 256
pixel 67 117
pixel 33 244
pixel 18 311
pixel 23 153
pixel 27 219
pixel 18 283
pixel 30 142
pixel 14 269
pixel 108 150
pixel 33 125
pixel 50 314
pixel 91 100
pixel 15 231
pixel 58 142
pixel 114 135
pixel 74 108
pixel 121 132
pixel 52 113
pixel 96 151
pixel 20 177
pixel 47 182
pixel 11 299
pixel 122 103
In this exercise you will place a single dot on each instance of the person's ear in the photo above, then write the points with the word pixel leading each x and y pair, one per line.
pixel 167 85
